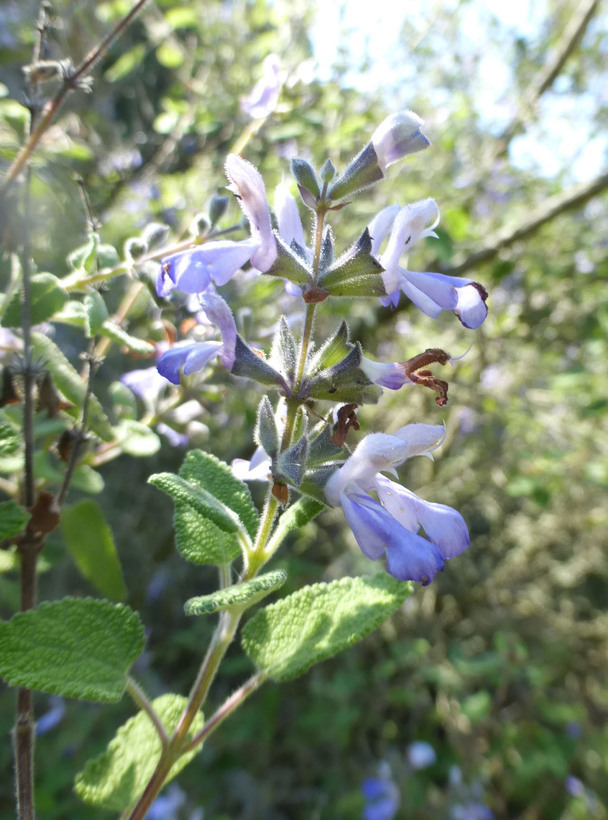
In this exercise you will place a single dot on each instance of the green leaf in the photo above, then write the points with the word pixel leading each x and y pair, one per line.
pixel 202 502
pixel 117 334
pixel 96 312
pixel 9 439
pixel 73 313
pixel 333 351
pixel 198 539
pixel 290 265
pixel 67 379
pixel 77 647
pixel 107 256
pixel 237 597
pixel 83 258
pixel 318 621
pixel 137 439
pixel 182 17
pixel 89 539
pixel 48 297
pixel 13 519
pixel 117 778
pixel 125 63
pixel 125 404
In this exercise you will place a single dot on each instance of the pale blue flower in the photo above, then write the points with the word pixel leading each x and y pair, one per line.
pixel 52 718
pixel 430 292
pixel 385 374
pixel 385 517
pixel 216 262
pixel 397 136
pixel 421 755
pixel 192 356
pixel 258 469
pixel 264 96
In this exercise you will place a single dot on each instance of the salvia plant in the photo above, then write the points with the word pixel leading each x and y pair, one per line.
pixel 54 431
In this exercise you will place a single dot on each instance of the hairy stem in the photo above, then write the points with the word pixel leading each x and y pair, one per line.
pixel 141 699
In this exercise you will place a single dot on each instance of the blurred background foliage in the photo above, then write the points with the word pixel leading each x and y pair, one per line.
pixel 501 664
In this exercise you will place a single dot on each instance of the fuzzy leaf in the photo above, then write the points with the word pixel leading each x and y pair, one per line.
pixel 90 540
pixel 9 439
pixel 48 297
pixel 96 312
pixel 292 462
pixel 284 352
pixel 191 495
pixel 333 351
pixel 304 174
pixel 117 334
pixel 67 379
pixel 318 621
pixel 13 519
pixel 237 597
pixel 116 779
pixel 77 647
pixel 198 539
pixel 137 439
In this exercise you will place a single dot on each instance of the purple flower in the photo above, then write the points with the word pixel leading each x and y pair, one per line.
pixel 390 523
pixel 146 383
pixel 382 796
pixel 391 375
pixel 397 136
pixel 472 811
pixel 51 719
pixel 430 292
pixel 264 96
pixel 194 270
pixel 193 356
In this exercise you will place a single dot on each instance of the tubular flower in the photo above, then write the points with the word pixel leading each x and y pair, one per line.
pixel 397 136
pixel 430 292
pixel 193 356
pixel 193 270
pixel 389 523
pixel 264 96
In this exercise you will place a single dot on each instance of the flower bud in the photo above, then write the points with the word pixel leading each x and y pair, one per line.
pixel 398 136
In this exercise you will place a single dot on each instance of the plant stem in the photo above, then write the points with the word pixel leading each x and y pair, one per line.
pixel 141 699
pixel 226 709
pixel 222 638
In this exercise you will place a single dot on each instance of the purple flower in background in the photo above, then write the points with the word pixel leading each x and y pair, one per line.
pixel 430 292
pixel 382 796
pixel 390 523
pixel 51 719
pixel 193 356
pixel 264 96
pixel 167 806
pixel 196 269
pixel 420 755
pixel 472 811
pixel 146 383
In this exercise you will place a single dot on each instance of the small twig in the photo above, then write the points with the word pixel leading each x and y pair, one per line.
pixel 70 82
pixel 92 365
pixel 226 709
pixel 141 700
pixel 574 197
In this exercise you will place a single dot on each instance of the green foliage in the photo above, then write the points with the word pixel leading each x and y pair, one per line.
pixel 198 538
pixel 48 297
pixel 114 780
pixel 67 379
pixel 199 500
pixel 137 439
pixel 77 647
pixel 9 439
pixel 89 539
pixel 318 621
pixel 13 519
pixel 117 334
pixel 238 597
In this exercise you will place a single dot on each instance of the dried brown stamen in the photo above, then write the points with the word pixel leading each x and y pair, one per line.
pixel 347 418
pixel 424 377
